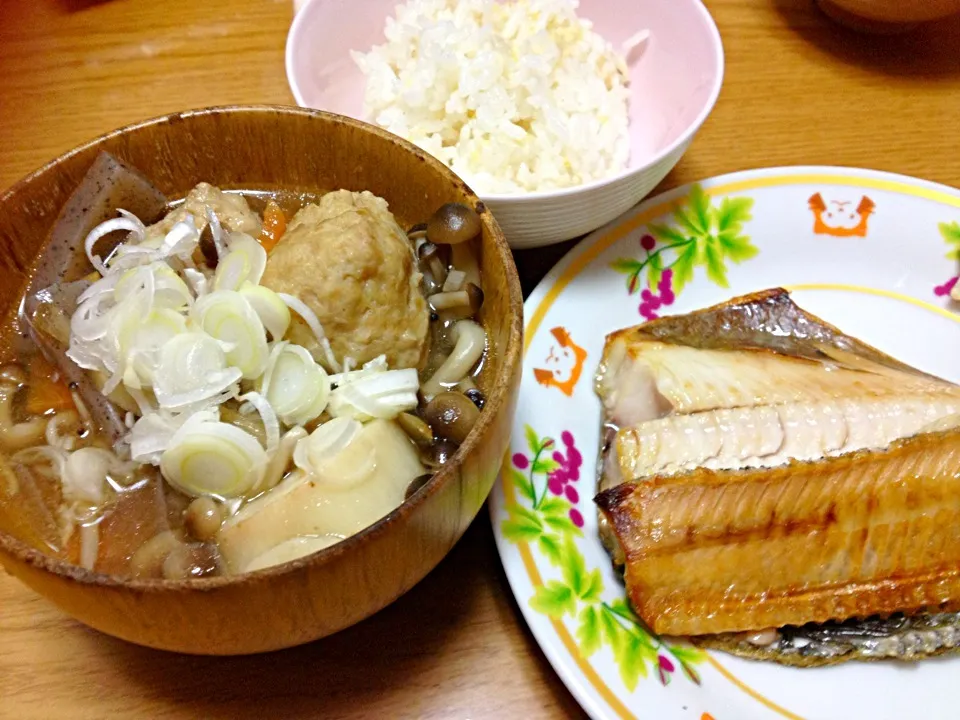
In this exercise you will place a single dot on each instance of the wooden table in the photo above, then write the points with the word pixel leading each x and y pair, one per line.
pixel 798 90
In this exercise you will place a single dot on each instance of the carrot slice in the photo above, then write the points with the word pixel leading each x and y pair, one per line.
pixel 274 225
pixel 46 390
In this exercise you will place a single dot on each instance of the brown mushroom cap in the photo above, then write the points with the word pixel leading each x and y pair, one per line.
pixel 452 224
pixel 416 429
pixel 438 454
pixel 451 415
pixel 208 247
pixel 203 518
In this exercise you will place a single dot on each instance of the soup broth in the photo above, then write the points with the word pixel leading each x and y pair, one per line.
pixel 277 462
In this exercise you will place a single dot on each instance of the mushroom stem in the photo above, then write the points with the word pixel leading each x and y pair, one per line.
pixel 463 258
pixel 455 281
pixel 13 435
pixel 447 300
pixel 471 296
pixel 471 340
pixel 282 457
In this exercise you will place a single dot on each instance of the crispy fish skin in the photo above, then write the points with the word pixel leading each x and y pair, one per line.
pixel 867 533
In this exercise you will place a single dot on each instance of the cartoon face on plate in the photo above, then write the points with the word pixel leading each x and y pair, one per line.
pixel 841 218
pixel 563 365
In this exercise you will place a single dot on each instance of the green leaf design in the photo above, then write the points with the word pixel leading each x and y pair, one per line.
pixel 533 441
pixel 612 631
pixel 554 506
pixel 589 633
pixel 554 599
pixel 562 524
pixel 574 569
pixel 545 466
pixel 951 235
pixel 632 664
pixel 687 653
pixel 523 484
pixel 627 265
pixel 698 218
pixel 550 547
pixel 683 266
pixel 522 525
pixel 716 268
pixel 593 587
pixel 733 213
pixel 737 247
pixel 668 235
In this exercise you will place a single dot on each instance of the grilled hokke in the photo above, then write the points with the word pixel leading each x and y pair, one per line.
pixel 761 469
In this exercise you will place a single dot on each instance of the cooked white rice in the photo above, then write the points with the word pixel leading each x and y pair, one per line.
pixel 515 97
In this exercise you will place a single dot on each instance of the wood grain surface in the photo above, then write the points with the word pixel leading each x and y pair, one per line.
pixel 798 90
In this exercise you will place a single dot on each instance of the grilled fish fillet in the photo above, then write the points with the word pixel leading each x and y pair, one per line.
pixel 760 468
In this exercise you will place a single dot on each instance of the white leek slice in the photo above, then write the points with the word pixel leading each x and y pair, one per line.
pixel 227 316
pixel 103 229
pixel 331 454
pixel 244 262
pixel 378 364
pixel 182 239
pixel 381 395
pixel 197 280
pixel 142 338
pixel 216 230
pixel 192 369
pixel 272 311
pixel 295 385
pixel 313 322
pixel 169 290
pixel 268 416
pixel 213 458
pixel 152 433
pixel 325 442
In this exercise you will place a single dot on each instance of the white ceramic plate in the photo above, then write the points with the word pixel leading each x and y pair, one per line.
pixel 870 252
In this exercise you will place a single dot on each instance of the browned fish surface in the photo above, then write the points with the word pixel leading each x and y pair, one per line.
pixel 761 469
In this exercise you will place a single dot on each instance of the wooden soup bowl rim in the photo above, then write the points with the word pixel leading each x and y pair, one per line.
pixel 496 399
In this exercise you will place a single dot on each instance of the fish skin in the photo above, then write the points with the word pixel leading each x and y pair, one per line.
pixel 767 327
pixel 710 552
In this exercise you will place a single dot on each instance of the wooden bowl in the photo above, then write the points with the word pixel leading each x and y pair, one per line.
pixel 887 16
pixel 276 148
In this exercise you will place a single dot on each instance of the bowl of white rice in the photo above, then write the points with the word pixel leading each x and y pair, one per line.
pixel 559 114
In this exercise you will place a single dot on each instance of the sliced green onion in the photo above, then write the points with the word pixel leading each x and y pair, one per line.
pixel 192 368
pixel 227 316
pixel 313 322
pixel 325 443
pixel 272 311
pixel 295 385
pixel 244 262
pixel 267 414
pixel 169 290
pixel 141 339
pixel 214 459
pixel 375 395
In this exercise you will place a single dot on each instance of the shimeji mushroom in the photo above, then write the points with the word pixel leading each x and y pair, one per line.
pixel 451 415
pixel 471 341
pixel 16 435
pixel 452 224
pixel 469 299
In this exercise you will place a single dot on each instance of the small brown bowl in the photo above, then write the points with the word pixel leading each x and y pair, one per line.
pixel 277 148
pixel 887 16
